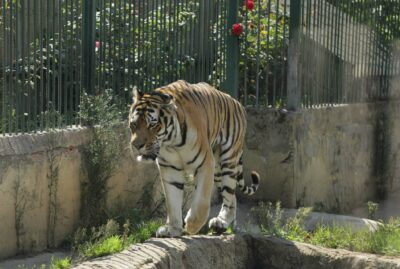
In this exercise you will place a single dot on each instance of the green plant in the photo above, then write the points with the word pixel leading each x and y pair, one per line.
pixel 63 263
pixel 110 238
pixel 294 229
pixel 269 217
pixel 143 231
pixel 53 158
pixel 149 53
pixel 102 115
pixel 372 209
pixel 384 240
pixel 107 246
pixel 24 201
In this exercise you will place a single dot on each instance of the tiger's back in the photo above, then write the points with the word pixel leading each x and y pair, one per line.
pixel 213 114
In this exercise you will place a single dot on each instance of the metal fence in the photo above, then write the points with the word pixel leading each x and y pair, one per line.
pixel 263 52
pixel 346 50
pixel 152 43
pixel 291 53
pixel 40 64
pixel 52 51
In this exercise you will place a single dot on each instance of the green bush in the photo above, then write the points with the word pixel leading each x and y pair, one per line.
pixel 102 114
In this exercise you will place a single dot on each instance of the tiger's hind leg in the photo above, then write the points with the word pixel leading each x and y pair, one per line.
pixel 231 169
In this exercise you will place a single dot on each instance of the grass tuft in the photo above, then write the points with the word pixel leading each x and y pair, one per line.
pixel 104 247
pixel 63 263
pixel 385 240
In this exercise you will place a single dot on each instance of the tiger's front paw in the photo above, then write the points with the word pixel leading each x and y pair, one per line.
pixel 168 231
pixel 218 225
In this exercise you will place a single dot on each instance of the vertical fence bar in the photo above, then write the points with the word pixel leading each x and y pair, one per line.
pixel 258 52
pixel 88 50
pixel 267 67
pixel 293 78
pixel 284 53
pixel 232 51
pixel 3 117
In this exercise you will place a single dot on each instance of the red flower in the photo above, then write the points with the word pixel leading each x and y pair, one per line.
pixel 249 4
pixel 237 29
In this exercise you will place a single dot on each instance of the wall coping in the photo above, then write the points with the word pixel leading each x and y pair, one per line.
pixel 29 143
pixel 236 251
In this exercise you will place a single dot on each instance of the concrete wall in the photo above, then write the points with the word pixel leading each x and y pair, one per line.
pixel 25 170
pixel 333 159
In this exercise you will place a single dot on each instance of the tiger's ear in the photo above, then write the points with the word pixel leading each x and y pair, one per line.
pixel 168 101
pixel 167 98
pixel 136 94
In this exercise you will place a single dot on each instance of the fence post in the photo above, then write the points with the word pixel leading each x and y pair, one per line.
pixel 293 77
pixel 231 84
pixel 88 45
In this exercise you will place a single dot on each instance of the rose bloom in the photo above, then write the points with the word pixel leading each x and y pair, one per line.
pixel 249 4
pixel 237 29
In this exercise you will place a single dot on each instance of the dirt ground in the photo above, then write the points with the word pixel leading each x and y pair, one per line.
pixel 32 262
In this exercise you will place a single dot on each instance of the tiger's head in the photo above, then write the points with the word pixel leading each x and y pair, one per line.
pixel 146 124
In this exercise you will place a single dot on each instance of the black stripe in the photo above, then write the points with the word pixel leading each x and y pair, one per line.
pixel 169 135
pixel 230 207
pixel 228 165
pixel 169 166
pixel 241 160
pixel 228 127
pixel 183 134
pixel 228 190
pixel 226 150
pixel 234 133
pixel 195 157
pixel 165 122
pixel 176 184
pixel 226 173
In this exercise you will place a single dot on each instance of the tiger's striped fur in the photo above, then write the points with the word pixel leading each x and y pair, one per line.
pixel 192 129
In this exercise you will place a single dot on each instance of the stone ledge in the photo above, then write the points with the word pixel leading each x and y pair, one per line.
pixel 22 144
pixel 236 251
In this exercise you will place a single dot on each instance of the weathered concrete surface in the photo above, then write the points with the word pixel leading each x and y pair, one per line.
pixel 236 251
pixel 24 187
pixel 334 159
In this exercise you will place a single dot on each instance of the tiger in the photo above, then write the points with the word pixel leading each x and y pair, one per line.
pixel 197 130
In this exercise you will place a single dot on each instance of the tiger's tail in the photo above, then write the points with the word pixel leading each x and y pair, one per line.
pixel 249 190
